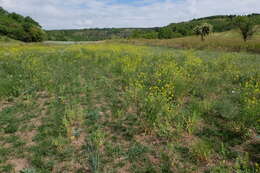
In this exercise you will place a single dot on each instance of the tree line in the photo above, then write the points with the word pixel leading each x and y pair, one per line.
pixel 18 27
pixel 94 34
pixel 216 23
pixel 219 24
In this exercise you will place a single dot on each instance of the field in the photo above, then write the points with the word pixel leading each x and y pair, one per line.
pixel 118 108
pixel 221 41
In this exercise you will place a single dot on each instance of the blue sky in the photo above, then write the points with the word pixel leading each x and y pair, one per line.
pixel 69 14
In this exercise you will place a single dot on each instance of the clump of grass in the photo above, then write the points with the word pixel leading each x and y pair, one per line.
pixel 136 152
pixel 201 151
pixel 28 170
pixel 6 168
pixel 227 109
pixel 73 121
pixel 93 148
pixel 60 143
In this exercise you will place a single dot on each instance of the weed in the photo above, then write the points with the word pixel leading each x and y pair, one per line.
pixel 6 168
pixel 94 143
pixel 28 170
pixel 73 121
pixel 136 152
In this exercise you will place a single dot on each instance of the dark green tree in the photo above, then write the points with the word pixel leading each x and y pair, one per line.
pixel 165 33
pixel 2 11
pixel 19 27
pixel 28 19
pixel 246 26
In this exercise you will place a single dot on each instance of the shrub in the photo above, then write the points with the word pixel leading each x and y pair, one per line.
pixel 203 30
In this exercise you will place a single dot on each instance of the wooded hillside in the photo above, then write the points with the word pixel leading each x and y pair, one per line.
pixel 18 27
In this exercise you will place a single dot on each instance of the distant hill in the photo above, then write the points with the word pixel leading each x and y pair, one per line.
pixel 89 34
pixel 220 23
pixel 94 34
pixel 21 28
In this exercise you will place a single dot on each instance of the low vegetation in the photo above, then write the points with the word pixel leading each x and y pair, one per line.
pixel 124 108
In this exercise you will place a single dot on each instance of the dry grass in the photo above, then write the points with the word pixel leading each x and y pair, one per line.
pixel 227 41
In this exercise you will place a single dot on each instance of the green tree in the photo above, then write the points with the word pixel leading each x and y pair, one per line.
pixel 136 34
pixel 203 30
pixel 2 11
pixel 28 19
pixel 151 35
pixel 16 17
pixel 165 33
pixel 246 26
pixel 37 34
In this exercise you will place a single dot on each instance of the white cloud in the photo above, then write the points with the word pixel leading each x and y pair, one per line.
pixel 65 14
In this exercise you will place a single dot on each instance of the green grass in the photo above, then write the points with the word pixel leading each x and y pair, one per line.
pixel 4 39
pixel 123 108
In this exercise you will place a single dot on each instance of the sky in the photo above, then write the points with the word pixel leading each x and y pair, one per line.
pixel 76 14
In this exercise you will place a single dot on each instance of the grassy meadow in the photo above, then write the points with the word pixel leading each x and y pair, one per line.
pixel 221 41
pixel 118 108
